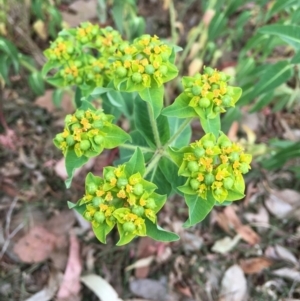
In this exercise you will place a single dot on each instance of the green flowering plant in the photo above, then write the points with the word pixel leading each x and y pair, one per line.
pixel 156 157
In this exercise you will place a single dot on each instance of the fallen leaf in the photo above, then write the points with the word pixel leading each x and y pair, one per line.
pixel 45 101
pixel 225 244
pixel 191 242
pixel 8 140
pixel 100 287
pixel 248 234
pixel 61 223
pixel 288 273
pixel 278 206
pixel 41 30
pixel 234 285
pixel 255 265
pixel 262 216
pixel 36 245
pixel 278 252
pixel 148 289
pixel 141 263
pixel 70 285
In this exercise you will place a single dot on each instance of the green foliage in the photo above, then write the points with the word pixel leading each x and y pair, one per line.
pixel 155 157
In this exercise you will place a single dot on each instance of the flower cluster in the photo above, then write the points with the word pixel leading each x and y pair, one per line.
pixel 214 165
pixel 210 92
pixel 120 198
pixel 87 133
pixel 83 55
pixel 143 64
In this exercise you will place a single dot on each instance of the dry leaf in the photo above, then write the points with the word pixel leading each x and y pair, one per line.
pixel 248 234
pixel 100 287
pixel 40 29
pixel 255 265
pixel 61 223
pixel 191 242
pixel 280 253
pixel 36 246
pixel 148 289
pixel 225 244
pixel 141 263
pixel 278 206
pixel 70 285
pixel 262 216
pixel 208 16
pixel 234 285
pixel 288 273
pixel 8 140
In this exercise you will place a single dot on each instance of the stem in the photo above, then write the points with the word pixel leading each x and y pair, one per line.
pixel 27 66
pixel 153 163
pixel 173 22
pixel 154 126
pixel 133 147
pixel 179 131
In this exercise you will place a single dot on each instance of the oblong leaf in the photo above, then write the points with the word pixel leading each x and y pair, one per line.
pixel 157 233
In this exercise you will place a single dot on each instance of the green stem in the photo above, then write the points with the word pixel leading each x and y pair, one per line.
pixel 173 22
pixel 133 147
pixel 153 126
pixel 153 163
pixel 27 66
pixel 179 131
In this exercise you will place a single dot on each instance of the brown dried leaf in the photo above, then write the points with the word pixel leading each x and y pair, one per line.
pixel 278 207
pixel 255 265
pixel 195 66
pixel 70 285
pixel 36 246
pixel 248 234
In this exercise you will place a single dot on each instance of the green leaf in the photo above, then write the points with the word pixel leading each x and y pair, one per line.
pixel 57 96
pixel 262 102
pixel 48 66
pixel 211 125
pixel 100 90
pixel 155 97
pixel 184 137
pixel 102 231
pixel 170 171
pixel 114 136
pixel 9 48
pixel 177 155
pixel 78 96
pixel 296 58
pixel 72 162
pixel 4 66
pixel 79 208
pixel 180 108
pixel 198 208
pixel 143 124
pixel 136 163
pixel 158 178
pixel 36 83
pixel 234 195
pixel 157 233
pixel 288 33
pixel 56 81
pixel 125 238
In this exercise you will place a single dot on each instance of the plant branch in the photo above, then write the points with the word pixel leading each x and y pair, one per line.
pixel 133 147
pixel 153 163
pixel 153 126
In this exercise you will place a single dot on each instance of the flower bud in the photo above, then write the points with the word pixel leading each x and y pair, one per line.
pixel 150 204
pixel 99 139
pixel 196 90
pixel 138 189
pixel 122 182
pixel 209 70
pixel 138 210
pixel 163 69
pixel 98 124
pixel 208 144
pixel 204 103
pixel 228 183
pixel 199 152
pixel 59 138
pixel 209 179
pixel 96 201
pixel 149 69
pixel 109 175
pixel 137 77
pixel 121 71
pixel 226 100
pixel 75 126
pixel 85 145
pixel 193 166
pixel 70 140
pixel 217 109
pixel 91 188
pixel 99 217
pixel 194 184
pixel 129 227
pixel 79 114
pixel 70 49
pixel 88 216
pixel 244 167
pixel 234 156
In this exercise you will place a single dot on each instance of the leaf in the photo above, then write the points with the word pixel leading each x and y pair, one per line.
pixel 225 244
pixel 143 124
pixel 234 284
pixel 180 108
pixel 70 285
pixel 288 33
pixel 157 177
pixel 170 171
pixel 9 48
pixel 125 238
pixel 296 58
pixel 155 97
pixel 73 162
pixel 100 287
pixel 102 231
pixel 185 136
pixel 158 233
pixel 36 83
pixel 262 102
pixel 255 265
pixel 198 208
pixel 4 67
pixel 114 136
pixel 211 125
pixel 136 163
